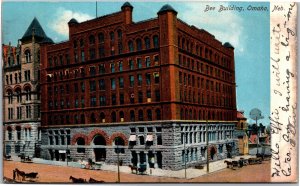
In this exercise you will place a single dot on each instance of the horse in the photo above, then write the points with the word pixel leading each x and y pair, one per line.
pixel 132 167
pixel 229 163
pixel 235 164
pixel 20 174
pixel 77 180
pixel 31 175
pixel 91 180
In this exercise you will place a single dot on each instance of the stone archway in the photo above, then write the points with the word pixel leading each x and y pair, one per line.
pixel 212 153
pixel 99 152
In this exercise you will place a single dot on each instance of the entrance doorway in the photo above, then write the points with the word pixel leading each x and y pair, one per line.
pixel 56 155
pixel 134 158
pixel 100 153
pixel 212 153
pixel 159 160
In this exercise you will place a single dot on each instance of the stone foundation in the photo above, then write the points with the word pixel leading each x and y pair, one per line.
pixel 99 143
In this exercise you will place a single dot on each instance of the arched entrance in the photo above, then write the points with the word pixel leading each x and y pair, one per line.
pixel 212 153
pixel 100 153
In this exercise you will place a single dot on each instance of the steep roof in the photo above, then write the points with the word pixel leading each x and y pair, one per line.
pixel 240 115
pixel 126 4
pixel 38 31
pixel 228 45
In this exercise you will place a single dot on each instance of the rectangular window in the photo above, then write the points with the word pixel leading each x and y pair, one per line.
pixel 92 53
pixel 67 59
pixel 62 104
pixel 82 56
pixel 148 93
pixel 121 98
pixel 121 82
pixel 102 101
pixel 67 88
pixel 93 101
pixel 139 62
pixel 113 83
pixel 148 62
pixel 82 86
pixel 92 86
pixel 131 64
pixel 148 79
pixel 112 68
pixel 140 97
pixel 92 71
pixel 76 103
pixel 75 87
pixel 113 99
pixel 101 84
pixel 140 79
pixel 82 102
pixel 61 87
pixel 75 57
pixel 157 95
pixel 28 111
pixel 101 69
pixel 120 66
pixel 101 51
pixel 131 79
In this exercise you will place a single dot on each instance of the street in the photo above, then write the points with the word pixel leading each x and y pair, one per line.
pixel 60 174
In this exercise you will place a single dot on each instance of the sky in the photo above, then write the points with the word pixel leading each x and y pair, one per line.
pixel 247 31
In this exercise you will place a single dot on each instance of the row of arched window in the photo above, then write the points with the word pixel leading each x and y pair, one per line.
pixel 18 94
pixel 201 67
pixel 193 114
pixel 140 115
pixel 203 51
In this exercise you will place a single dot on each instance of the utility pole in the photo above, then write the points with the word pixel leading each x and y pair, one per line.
pixel 207 157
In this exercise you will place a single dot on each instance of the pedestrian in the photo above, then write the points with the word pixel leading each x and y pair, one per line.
pixel 14 175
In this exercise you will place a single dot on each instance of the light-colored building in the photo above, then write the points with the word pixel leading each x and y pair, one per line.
pixel 241 129
pixel 21 93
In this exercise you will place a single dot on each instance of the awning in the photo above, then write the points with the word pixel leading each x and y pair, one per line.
pixel 132 138
pixel 62 151
pixel 149 137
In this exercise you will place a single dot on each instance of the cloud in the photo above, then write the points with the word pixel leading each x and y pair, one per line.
pixel 226 26
pixel 63 16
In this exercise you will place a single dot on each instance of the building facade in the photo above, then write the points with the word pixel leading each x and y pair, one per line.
pixel 21 93
pixel 241 133
pixel 150 88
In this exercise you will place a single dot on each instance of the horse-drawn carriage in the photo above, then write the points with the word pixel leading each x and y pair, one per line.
pixel 138 169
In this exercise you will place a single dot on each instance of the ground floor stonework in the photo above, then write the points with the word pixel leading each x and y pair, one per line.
pixel 171 145
pixel 22 138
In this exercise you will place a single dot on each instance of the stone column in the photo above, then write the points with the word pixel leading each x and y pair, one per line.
pixel 138 159
pixel 147 159
pixel 155 160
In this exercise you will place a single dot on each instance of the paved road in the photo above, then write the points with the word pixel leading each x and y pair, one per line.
pixel 59 174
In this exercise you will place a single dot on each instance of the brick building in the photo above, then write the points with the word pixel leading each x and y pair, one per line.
pixel 145 87
pixel 21 92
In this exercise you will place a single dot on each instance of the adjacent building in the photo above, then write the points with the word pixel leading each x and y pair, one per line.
pixel 21 93
pixel 151 90
pixel 241 133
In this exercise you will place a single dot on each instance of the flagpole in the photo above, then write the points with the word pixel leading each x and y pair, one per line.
pixel 96 10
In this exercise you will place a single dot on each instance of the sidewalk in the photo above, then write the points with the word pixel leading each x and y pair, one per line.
pixel 190 172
